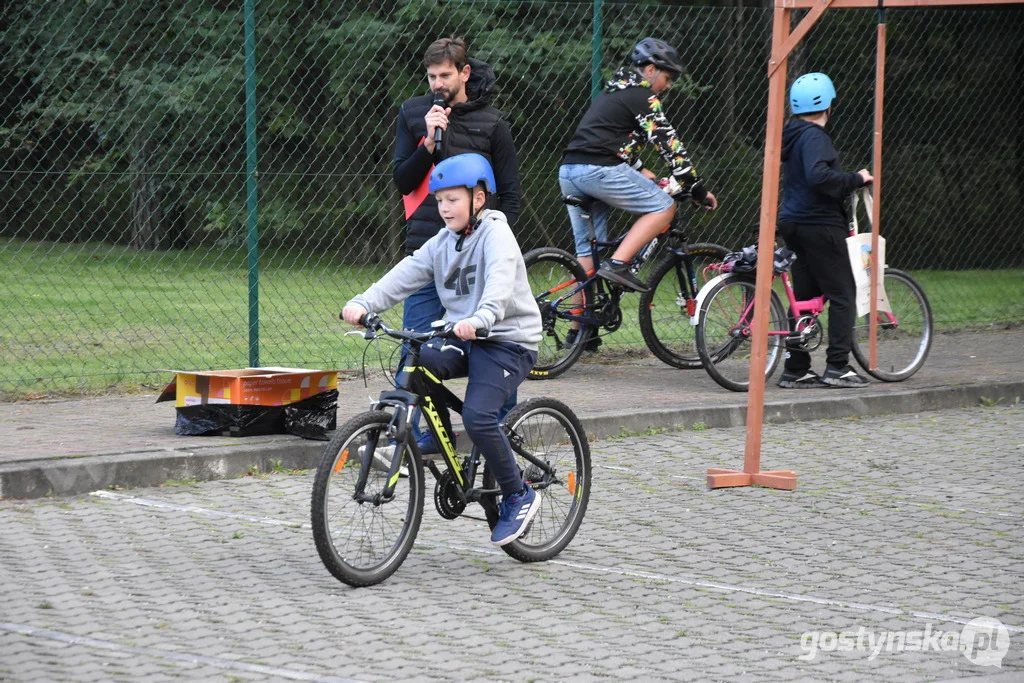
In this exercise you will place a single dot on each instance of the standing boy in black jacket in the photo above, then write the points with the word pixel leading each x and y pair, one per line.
pixel 814 224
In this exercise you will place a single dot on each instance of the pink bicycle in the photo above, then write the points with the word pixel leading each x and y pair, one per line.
pixel 725 321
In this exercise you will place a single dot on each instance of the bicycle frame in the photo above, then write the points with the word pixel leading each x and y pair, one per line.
pixel 677 245
pixel 418 388
pixel 799 309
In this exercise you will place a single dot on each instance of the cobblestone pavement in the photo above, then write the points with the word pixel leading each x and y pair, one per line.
pixel 903 523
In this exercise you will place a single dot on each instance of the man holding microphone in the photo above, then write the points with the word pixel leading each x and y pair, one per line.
pixel 456 117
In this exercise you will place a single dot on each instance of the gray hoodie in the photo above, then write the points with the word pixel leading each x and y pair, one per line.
pixel 484 283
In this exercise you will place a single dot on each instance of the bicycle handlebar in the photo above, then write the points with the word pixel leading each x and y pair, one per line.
pixel 373 324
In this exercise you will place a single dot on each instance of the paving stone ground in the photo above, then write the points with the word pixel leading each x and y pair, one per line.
pixel 899 524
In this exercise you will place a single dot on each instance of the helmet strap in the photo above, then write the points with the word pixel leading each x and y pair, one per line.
pixel 471 225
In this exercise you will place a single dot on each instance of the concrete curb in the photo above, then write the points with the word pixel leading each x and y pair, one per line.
pixel 72 476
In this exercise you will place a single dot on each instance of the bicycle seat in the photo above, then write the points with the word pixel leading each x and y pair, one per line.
pixel 582 202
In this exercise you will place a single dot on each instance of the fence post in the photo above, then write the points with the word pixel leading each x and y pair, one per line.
pixel 595 52
pixel 252 234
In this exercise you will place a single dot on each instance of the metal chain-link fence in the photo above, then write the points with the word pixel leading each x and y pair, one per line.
pixel 127 243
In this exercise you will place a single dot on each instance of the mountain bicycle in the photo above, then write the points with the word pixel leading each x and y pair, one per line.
pixel 368 495
pixel 575 305
pixel 726 319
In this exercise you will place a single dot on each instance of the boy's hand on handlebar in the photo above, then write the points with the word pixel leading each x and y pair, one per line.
pixel 464 330
pixel 353 314
pixel 710 202
pixel 866 175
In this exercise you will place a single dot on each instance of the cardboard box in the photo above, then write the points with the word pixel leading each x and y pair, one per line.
pixel 248 387
pixel 254 401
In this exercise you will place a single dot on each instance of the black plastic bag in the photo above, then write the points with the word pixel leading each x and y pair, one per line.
pixel 309 418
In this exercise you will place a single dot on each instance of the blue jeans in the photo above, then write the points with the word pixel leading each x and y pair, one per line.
pixel 495 370
pixel 422 308
pixel 621 187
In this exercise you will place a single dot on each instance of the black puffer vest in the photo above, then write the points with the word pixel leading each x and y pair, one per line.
pixel 470 126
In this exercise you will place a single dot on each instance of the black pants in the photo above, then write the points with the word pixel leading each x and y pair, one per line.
pixel 823 267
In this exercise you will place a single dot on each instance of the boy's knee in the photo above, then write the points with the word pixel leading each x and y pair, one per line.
pixel 478 421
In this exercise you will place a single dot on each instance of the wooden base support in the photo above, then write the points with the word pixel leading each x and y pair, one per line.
pixel 777 479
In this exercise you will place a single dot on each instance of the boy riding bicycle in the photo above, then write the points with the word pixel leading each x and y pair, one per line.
pixel 480 276
pixel 602 160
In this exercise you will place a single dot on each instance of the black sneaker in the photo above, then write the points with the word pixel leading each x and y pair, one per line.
pixel 801 380
pixel 593 344
pixel 843 377
pixel 620 274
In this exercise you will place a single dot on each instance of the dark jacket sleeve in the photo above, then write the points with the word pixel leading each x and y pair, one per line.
pixel 506 171
pixel 412 160
pixel 820 169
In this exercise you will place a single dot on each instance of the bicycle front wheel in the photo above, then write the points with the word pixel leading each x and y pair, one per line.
pixel 664 321
pixel 904 337
pixel 549 431
pixel 553 274
pixel 363 543
pixel 724 331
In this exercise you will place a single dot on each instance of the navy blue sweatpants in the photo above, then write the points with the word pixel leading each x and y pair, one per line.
pixel 495 370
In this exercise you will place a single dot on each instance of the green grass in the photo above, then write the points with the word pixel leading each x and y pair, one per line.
pixel 82 318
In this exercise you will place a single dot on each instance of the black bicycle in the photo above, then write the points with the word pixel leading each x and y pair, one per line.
pixel 575 305
pixel 368 494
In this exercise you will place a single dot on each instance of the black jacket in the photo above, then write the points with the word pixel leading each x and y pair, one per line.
pixel 624 118
pixel 473 126
pixel 814 186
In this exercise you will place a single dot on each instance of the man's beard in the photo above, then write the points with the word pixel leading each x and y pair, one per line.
pixel 449 95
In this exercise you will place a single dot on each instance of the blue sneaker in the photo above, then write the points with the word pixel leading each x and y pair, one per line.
pixel 426 443
pixel 515 514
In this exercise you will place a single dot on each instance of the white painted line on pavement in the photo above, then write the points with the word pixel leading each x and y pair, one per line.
pixel 290 674
pixel 621 571
pixel 149 502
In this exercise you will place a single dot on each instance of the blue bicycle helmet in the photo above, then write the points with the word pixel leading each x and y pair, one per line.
pixel 462 170
pixel 811 93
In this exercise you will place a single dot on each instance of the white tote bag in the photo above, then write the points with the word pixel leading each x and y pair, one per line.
pixel 858 246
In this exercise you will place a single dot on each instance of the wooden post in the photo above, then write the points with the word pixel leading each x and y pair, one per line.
pixel 876 172
pixel 751 473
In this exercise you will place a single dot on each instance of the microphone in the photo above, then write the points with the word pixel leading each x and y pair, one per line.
pixel 439 101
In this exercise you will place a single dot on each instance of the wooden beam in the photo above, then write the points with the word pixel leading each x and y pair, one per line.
pixel 751 475
pixel 780 54
pixel 876 209
pixel 873 4
pixel 766 247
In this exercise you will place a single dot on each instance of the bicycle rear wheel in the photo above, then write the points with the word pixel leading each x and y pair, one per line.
pixel 547 429
pixel 363 543
pixel 552 274
pixel 724 332
pixel 664 321
pixel 903 343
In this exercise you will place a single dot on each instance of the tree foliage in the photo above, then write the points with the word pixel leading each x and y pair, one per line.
pixel 124 121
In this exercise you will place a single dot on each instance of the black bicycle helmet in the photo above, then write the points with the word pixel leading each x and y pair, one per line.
pixel 659 53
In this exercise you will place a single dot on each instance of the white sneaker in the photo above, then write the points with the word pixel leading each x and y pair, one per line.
pixel 382 459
